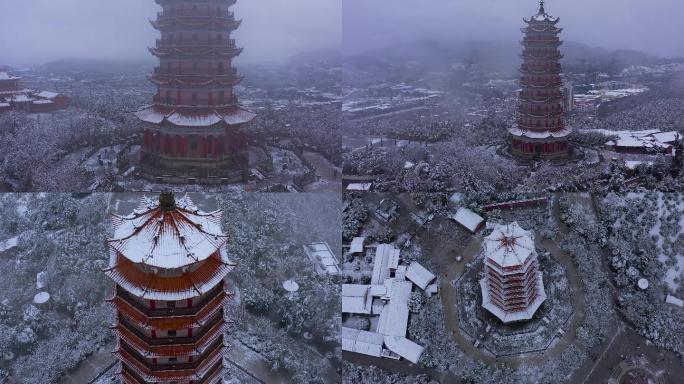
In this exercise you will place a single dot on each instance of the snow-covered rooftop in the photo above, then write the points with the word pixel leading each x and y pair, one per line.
pixel 509 245
pixel 47 94
pixel 357 245
pixel 356 298
pixel 673 300
pixel 394 317
pixel 404 348
pixel 419 275
pixel 364 342
pixel 322 253
pixel 359 187
pixel 6 76
pixel 9 244
pixel 468 219
pixel 170 237
pixel 386 259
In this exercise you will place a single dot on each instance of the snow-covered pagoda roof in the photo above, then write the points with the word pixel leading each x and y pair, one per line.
pixel 542 15
pixel 509 245
pixel 518 132
pixel 153 115
pixel 169 233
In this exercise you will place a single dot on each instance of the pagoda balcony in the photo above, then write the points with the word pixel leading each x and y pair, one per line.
pixel 186 366
pixel 213 72
pixel 542 97
pixel 526 70
pixel 137 340
pixel 212 23
pixel 532 111
pixel 163 3
pixel 543 57
pixel 534 128
pixel 533 116
pixel 222 81
pixel 146 320
pixel 210 330
pixel 196 50
pixel 212 297
pixel 169 13
pixel 199 43
pixel 546 29
pixel 541 83
pixel 148 374
pixel 541 43
pixel 131 377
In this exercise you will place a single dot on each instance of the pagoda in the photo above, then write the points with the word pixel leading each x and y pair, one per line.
pixel 539 131
pixel 195 129
pixel 512 287
pixel 168 262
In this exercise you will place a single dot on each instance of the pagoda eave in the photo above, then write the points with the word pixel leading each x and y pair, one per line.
pixel 147 319
pixel 195 116
pixel 156 351
pixel 165 376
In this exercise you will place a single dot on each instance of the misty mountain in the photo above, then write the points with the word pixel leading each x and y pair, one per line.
pixel 493 58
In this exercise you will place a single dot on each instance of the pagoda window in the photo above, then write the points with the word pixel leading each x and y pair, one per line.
pixel 169 67
pixel 211 98
pixel 171 333
pixel 194 98
pixel 168 97
pixel 170 304
pixel 220 69
pixel 222 97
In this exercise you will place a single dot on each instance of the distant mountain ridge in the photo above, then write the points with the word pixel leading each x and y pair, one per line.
pixel 502 57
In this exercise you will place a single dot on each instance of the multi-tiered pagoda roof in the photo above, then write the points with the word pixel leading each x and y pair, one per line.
pixel 168 261
pixel 540 130
pixel 195 128
pixel 512 288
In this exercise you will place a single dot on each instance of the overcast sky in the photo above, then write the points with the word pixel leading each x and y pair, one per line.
pixel 652 26
pixel 37 31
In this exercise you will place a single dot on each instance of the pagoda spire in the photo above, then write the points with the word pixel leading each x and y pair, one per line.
pixel 541 7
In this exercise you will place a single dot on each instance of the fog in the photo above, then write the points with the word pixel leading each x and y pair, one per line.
pixel 38 31
pixel 651 26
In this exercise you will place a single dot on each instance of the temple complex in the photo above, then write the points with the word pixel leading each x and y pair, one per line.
pixel 194 130
pixel 512 288
pixel 14 97
pixel 540 131
pixel 168 262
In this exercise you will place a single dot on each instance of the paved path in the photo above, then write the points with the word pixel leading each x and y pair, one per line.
pixel 91 368
pixel 331 176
